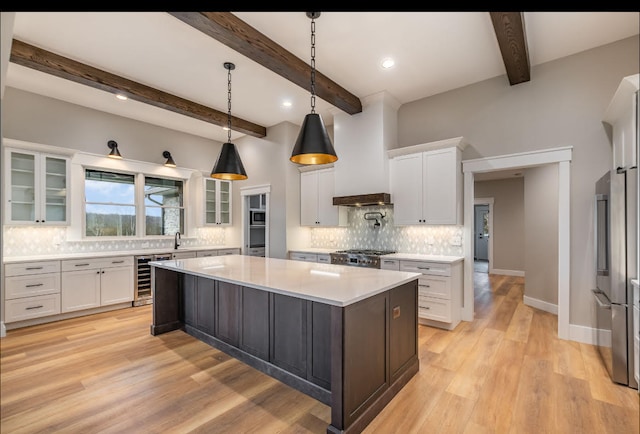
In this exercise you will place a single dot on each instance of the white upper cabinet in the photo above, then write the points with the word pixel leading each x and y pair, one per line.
pixel 426 186
pixel 316 199
pixel 36 188
pixel 217 202
pixel 622 115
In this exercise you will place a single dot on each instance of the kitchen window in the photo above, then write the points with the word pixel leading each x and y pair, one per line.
pixel 163 206
pixel 111 208
pixel 109 204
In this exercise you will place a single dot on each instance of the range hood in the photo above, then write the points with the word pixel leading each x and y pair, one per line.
pixel 363 200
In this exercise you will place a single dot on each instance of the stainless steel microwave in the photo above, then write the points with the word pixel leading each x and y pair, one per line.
pixel 258 218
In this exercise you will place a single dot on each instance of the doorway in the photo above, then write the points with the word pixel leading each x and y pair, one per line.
pixel 560 156
pixel 481 230
pixel 255 220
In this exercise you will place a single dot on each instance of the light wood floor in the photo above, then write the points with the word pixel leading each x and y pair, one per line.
pixel 505 372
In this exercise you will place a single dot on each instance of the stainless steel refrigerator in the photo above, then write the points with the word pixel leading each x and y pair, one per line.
pixel 616 244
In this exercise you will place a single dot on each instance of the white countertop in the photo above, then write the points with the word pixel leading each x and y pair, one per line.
pixel 337 285
pixel 108 253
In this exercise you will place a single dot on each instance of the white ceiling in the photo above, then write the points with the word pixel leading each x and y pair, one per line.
pixel 434 52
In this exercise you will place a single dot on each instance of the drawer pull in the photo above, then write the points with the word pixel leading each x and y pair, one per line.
pixel 35 307
pixel 423 268
pixel 82 265
pixel 424 307
pixel 117 262
pixel 34 268
pixel 33 285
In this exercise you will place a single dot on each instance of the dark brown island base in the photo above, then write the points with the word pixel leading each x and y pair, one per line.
pixel 346 336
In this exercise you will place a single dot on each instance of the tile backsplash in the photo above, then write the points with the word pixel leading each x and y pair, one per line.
pixel 36 240
pixel 362 234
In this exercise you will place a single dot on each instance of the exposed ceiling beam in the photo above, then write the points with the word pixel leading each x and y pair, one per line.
pixel 63 67
pixel 509 28
pixel 238 35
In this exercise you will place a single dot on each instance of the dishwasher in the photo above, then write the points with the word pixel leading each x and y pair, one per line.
pixel 142 294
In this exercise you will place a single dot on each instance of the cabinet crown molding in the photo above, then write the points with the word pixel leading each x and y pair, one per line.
pixel 458 142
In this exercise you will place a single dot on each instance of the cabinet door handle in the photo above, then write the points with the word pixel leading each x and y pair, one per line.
pixel 34 268
pixel 81 265
pixel 33 285
pixel 35 307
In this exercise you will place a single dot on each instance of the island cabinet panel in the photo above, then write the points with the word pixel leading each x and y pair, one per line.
pixel 188 299
pixel 165 285
pixel 319 348
pixel 205 305
pixel 228 312
pixel 289 334
pixel 366 361
pixel 255 322
pixel 403 329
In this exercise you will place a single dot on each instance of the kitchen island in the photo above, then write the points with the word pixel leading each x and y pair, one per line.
pixel 346 336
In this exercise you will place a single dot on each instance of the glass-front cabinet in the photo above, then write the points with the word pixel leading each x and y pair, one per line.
pixel 37 188
pixel 217 202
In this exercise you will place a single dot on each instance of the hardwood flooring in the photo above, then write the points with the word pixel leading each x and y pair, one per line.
pixel 505 372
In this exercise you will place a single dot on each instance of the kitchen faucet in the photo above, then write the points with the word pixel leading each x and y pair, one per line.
pixel 176 238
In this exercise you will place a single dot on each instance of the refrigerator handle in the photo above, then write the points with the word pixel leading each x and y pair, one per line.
pixel 601 299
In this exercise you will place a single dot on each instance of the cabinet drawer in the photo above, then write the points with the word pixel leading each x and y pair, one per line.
pixel 308 257
pixel 30 286
pixel 31 307
pixel 88 264
pixel 432 268
pixel 434 308
pixel 326 259
pixel 390 264
pixel 206 253
pixel 40 267
pixel 223 252
pixel 435 287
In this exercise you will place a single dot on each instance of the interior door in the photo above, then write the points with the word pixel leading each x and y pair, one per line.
pixel 481 223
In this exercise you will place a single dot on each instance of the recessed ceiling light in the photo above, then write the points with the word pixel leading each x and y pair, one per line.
pixel 121 97
pixel 286 104
pixel 388 63
pixel 225 128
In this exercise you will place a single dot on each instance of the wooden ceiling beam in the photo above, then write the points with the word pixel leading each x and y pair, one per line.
pixel 63 67
pixel 510 32
pixel 241 37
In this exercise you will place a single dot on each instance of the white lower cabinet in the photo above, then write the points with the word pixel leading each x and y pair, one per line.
pixel 96 282
pixel 32 290
pixel 439 292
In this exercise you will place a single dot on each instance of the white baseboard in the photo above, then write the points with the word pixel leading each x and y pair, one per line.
pixel 539 304
pixel 589 335
pixel 3 329
pixel 507 272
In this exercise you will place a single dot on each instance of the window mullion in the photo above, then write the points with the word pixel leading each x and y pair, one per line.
pixel 140 207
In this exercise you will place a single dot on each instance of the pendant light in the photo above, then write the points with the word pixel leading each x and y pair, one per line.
pixel 313 145
pixel 229 166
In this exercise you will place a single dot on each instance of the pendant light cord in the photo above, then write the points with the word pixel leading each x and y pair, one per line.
pixel 313 65
pixel 229 105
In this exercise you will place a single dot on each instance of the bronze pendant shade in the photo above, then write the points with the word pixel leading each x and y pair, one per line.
pixel 229 166
pixel 313 145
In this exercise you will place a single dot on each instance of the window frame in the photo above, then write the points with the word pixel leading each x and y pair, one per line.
pixel 182 207
pixel 139 205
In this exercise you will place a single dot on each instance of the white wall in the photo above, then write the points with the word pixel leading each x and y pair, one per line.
pixel 562 105
pixel 541 233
